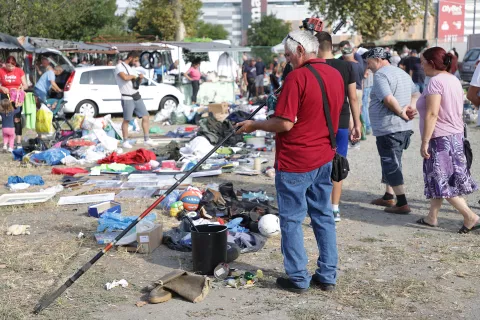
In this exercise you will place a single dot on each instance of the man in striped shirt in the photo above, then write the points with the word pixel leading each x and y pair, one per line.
pixel 393 94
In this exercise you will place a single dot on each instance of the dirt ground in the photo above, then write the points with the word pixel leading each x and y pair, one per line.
pixel 389 267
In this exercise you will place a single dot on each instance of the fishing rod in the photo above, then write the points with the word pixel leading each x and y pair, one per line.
pixel 46 301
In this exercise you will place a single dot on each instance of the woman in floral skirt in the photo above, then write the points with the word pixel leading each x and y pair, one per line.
pixel 445 169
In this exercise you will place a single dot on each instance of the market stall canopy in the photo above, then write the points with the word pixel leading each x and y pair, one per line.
pixel 38 44
pixel 279 48
pixel 10 43
pixel 207 46
pixel 132 46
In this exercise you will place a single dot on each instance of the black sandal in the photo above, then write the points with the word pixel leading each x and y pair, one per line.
pixel 424 223
pixel 465 230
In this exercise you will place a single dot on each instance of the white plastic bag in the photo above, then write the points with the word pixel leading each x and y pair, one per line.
pixel 109 143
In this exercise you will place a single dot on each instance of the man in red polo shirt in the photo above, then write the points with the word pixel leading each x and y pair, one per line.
pixel 304 162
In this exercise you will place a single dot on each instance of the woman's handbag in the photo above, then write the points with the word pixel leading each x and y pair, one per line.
pixel 340 166
pixel 467 149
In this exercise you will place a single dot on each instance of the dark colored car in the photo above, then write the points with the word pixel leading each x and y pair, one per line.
pixel 469 64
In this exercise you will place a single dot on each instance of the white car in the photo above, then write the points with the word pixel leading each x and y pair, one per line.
pixel 93 91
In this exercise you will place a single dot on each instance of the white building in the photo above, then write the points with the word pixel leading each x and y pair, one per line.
pixel 228 13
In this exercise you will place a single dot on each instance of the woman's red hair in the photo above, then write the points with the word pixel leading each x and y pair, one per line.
pixel 438 58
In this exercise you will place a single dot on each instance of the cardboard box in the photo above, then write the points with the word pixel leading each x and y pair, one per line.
pixel 147 241
pixel 97 210
pixel 221 108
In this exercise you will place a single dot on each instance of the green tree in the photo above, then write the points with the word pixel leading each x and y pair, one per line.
pixel 212 31
pixel 269 31
pixel 63 19
pixel 157 16
pixel 371 18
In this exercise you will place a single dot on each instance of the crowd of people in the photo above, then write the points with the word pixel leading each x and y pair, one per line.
pixel 392 94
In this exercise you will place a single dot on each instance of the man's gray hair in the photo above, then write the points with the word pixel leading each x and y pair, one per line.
pixel 304 38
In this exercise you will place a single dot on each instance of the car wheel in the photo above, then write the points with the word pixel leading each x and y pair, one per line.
pixel 87 108
pixel 169 103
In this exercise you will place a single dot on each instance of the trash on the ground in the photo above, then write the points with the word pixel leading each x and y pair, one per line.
pixel 191 287
pixel 18 186
pixel 30 179
pixel 10 199
pixel 97 210
pixel 110 285
pixel 104 238
pixel 81 235
pixel 115 221
pixel 221 271
pixel 147 240
pixel 86 199
pixel 242 280
pixel 141 303
pixel 18 229
pixel 270 172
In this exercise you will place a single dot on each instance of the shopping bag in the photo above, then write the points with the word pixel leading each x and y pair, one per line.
pixel 43 123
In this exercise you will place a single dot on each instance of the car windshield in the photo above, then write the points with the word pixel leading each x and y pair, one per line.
pixel 472 55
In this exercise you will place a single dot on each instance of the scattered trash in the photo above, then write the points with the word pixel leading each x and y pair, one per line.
pixel 141 303
pixel 97 210
pixel 80 235
pixel 115 283
pixel 23 198
pixel 18 229
pixel 86 199
pixel 242 280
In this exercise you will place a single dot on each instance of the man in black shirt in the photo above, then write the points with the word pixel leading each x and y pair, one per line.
pixel 414 68
pixel 345 125
pixel 260 68
pixel 249 75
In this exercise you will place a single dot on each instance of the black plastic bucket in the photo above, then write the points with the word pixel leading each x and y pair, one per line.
pixel 209 247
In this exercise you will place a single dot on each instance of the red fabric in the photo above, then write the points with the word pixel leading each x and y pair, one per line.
pixel 11 80
pixel 306 146
pixel 133 157
pixel 68 171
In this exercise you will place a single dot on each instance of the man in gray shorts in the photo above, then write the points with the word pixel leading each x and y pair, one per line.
pixel 131 99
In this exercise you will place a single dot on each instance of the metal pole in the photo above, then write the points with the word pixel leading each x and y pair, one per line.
pixel 425 19
pixel 474 14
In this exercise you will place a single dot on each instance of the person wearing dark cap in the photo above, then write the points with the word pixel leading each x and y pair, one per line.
pixel 356 56
pixel 393 94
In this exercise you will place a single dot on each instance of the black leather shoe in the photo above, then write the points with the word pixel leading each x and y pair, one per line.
pixel 288 285
pixel 322 286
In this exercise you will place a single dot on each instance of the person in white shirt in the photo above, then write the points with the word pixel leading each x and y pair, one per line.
pixel 131 99
pixel 473 93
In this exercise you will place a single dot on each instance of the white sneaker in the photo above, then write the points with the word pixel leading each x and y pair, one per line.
pixel 150 143
pixel 10 150
pixel 127 145
pixel 4 148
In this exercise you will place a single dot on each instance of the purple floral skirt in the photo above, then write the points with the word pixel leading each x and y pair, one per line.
pixel 445 173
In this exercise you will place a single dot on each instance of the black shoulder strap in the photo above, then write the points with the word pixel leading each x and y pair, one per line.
pixel 123 64
pixel 326 107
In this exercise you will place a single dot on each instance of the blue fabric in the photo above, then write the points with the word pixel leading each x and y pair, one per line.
pixel 297 194
pixel 44 83
pixel 342 138
pixel 390 148
pixel 420 86
pixel 31 179
pixel 40 94
pixel 365 103
pixel 7 119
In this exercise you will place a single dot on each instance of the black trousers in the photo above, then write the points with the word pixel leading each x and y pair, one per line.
pixel 251 88
pixel 18 125
pixel 195 88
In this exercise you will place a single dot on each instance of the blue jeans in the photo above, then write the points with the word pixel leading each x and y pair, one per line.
pixel 40 94
pixel 297 194
pixel 365 105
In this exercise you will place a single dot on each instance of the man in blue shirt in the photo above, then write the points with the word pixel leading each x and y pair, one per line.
pixel 357 57
pixel 47 81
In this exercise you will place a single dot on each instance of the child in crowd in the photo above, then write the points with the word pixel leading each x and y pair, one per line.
pixel 8 131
